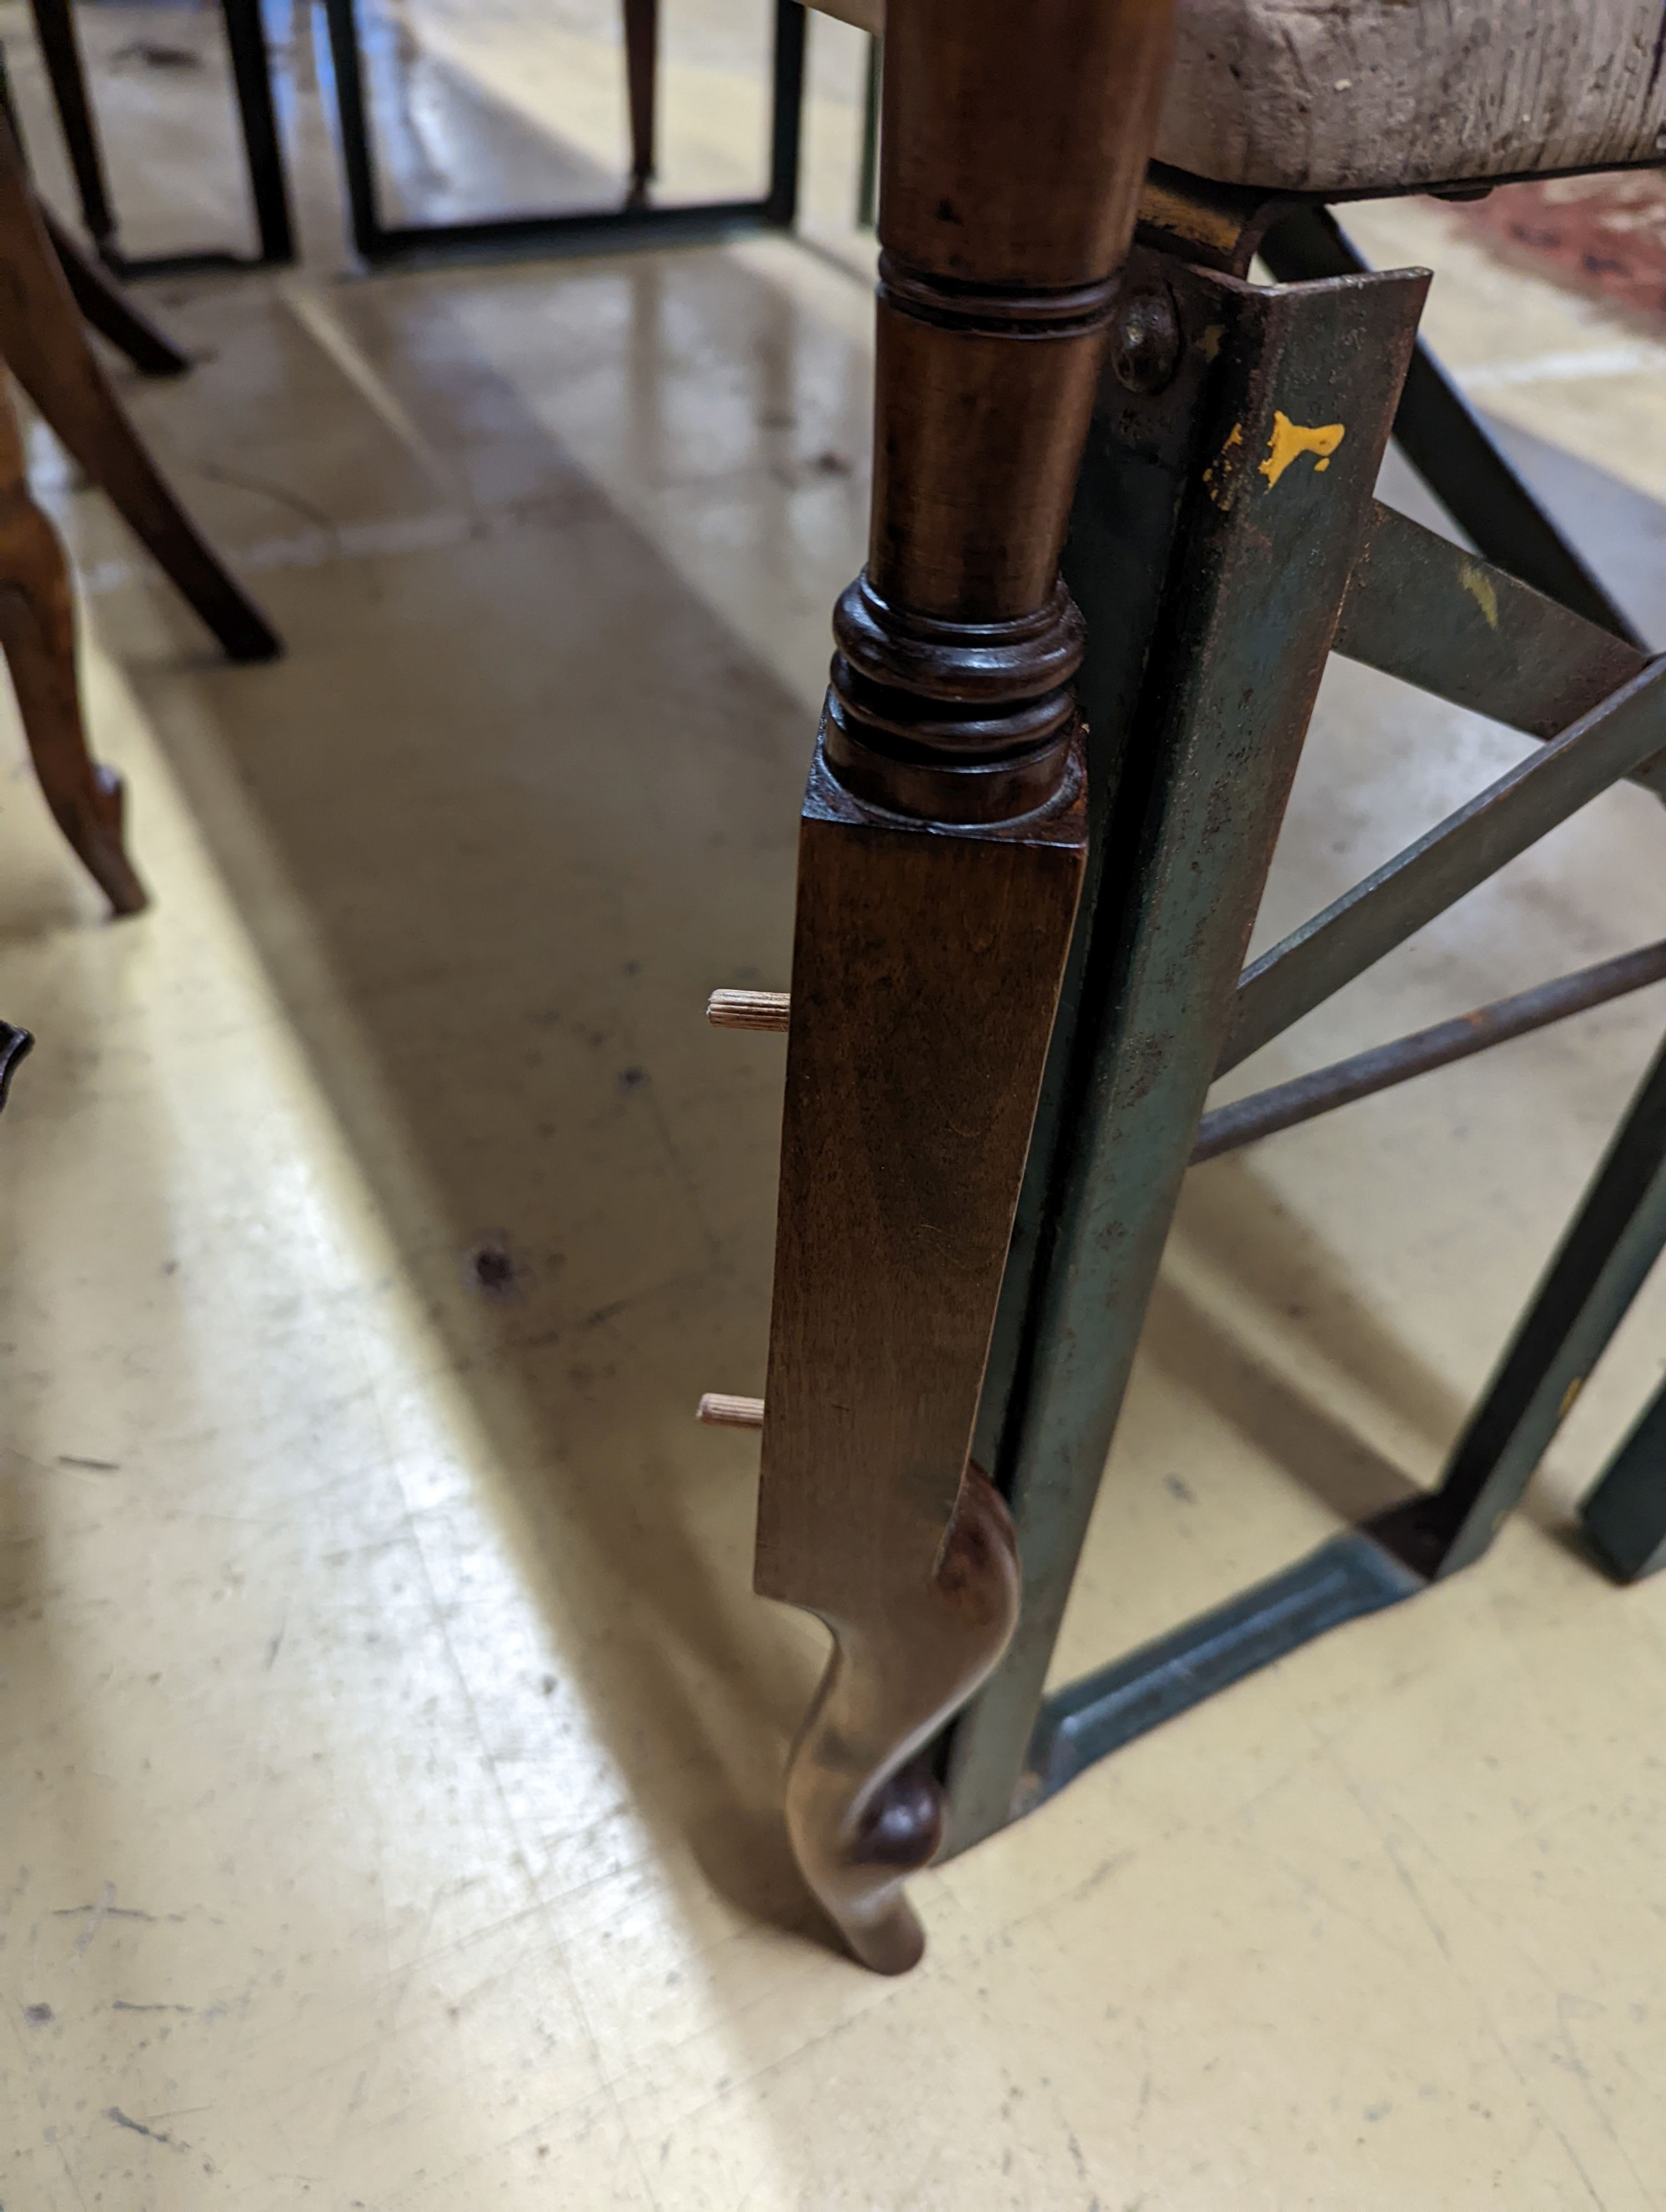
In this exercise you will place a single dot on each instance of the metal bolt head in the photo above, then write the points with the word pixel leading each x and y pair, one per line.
pixel 1145 342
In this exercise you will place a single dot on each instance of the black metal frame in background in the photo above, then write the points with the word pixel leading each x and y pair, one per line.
pixel 609 231
pixel 269 192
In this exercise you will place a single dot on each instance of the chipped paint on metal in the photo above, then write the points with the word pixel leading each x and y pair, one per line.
pixel 1290 441
pixel 1482 589
pixel 1219 478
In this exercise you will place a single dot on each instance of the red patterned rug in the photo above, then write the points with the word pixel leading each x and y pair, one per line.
pixel 1603 236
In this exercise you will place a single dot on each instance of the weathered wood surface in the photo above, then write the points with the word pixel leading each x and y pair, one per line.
pixel 1349 95
pixel 1325 95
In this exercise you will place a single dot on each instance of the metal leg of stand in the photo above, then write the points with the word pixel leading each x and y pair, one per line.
pixel 1257 566
pixel 1625 1515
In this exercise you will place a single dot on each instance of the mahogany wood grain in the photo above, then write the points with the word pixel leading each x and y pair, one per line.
pixel 38 633
pixel 941 859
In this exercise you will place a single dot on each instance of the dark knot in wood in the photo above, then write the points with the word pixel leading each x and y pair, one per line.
pixel 997 310
pixel 955 721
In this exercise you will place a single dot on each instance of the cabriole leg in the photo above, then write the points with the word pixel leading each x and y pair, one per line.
pixel 939 863
pixel 38 633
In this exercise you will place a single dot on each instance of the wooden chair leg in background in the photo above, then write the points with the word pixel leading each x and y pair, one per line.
pixel 108 308
pixel 940 860
pixel 45 346
pixel 38 633
pixel 642 30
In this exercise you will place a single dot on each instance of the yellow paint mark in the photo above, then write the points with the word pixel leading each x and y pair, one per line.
pixel 1290 441
pixel 1212 338
pixel 1221 493
pixel 1568 1397
pixel 1482 589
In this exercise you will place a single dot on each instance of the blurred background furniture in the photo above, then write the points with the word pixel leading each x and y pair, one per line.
pixel 43 344
pixel 636 223
pixel 38 634
pixel 46 285
pixel 246 45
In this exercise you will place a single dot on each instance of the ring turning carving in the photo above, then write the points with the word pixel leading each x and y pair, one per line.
pixel 863 1808
pixel 989 311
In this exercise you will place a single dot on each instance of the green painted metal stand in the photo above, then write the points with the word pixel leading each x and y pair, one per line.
pixel 1625 1515
pixel 1225 540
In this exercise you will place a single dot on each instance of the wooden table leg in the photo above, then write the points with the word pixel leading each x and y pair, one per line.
pixel 38 633
pixel 642 30
pixel 45 346
pixel 940 864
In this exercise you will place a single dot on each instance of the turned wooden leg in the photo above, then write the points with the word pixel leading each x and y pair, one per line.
pixel 44 345
pixel 38 633
pixel 940 861
pixel 642 30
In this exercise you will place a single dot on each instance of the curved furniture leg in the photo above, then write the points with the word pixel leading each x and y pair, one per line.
pixel 941 849
pixel 37 631
pixel 108 308
pixel 642 30
pixel 863 1807
pixel 44 345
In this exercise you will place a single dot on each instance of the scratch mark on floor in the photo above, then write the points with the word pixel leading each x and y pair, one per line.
pixel 153 2135
pixel 105 1909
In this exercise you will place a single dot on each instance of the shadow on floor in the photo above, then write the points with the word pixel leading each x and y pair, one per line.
pixel 507 812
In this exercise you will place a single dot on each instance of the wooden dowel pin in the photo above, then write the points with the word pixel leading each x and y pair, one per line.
pixel 748 1010
pixel 721 1412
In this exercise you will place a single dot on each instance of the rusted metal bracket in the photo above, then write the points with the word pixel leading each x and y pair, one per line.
pixel 1445 441
pixel 1184 623
pixel 1225 496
